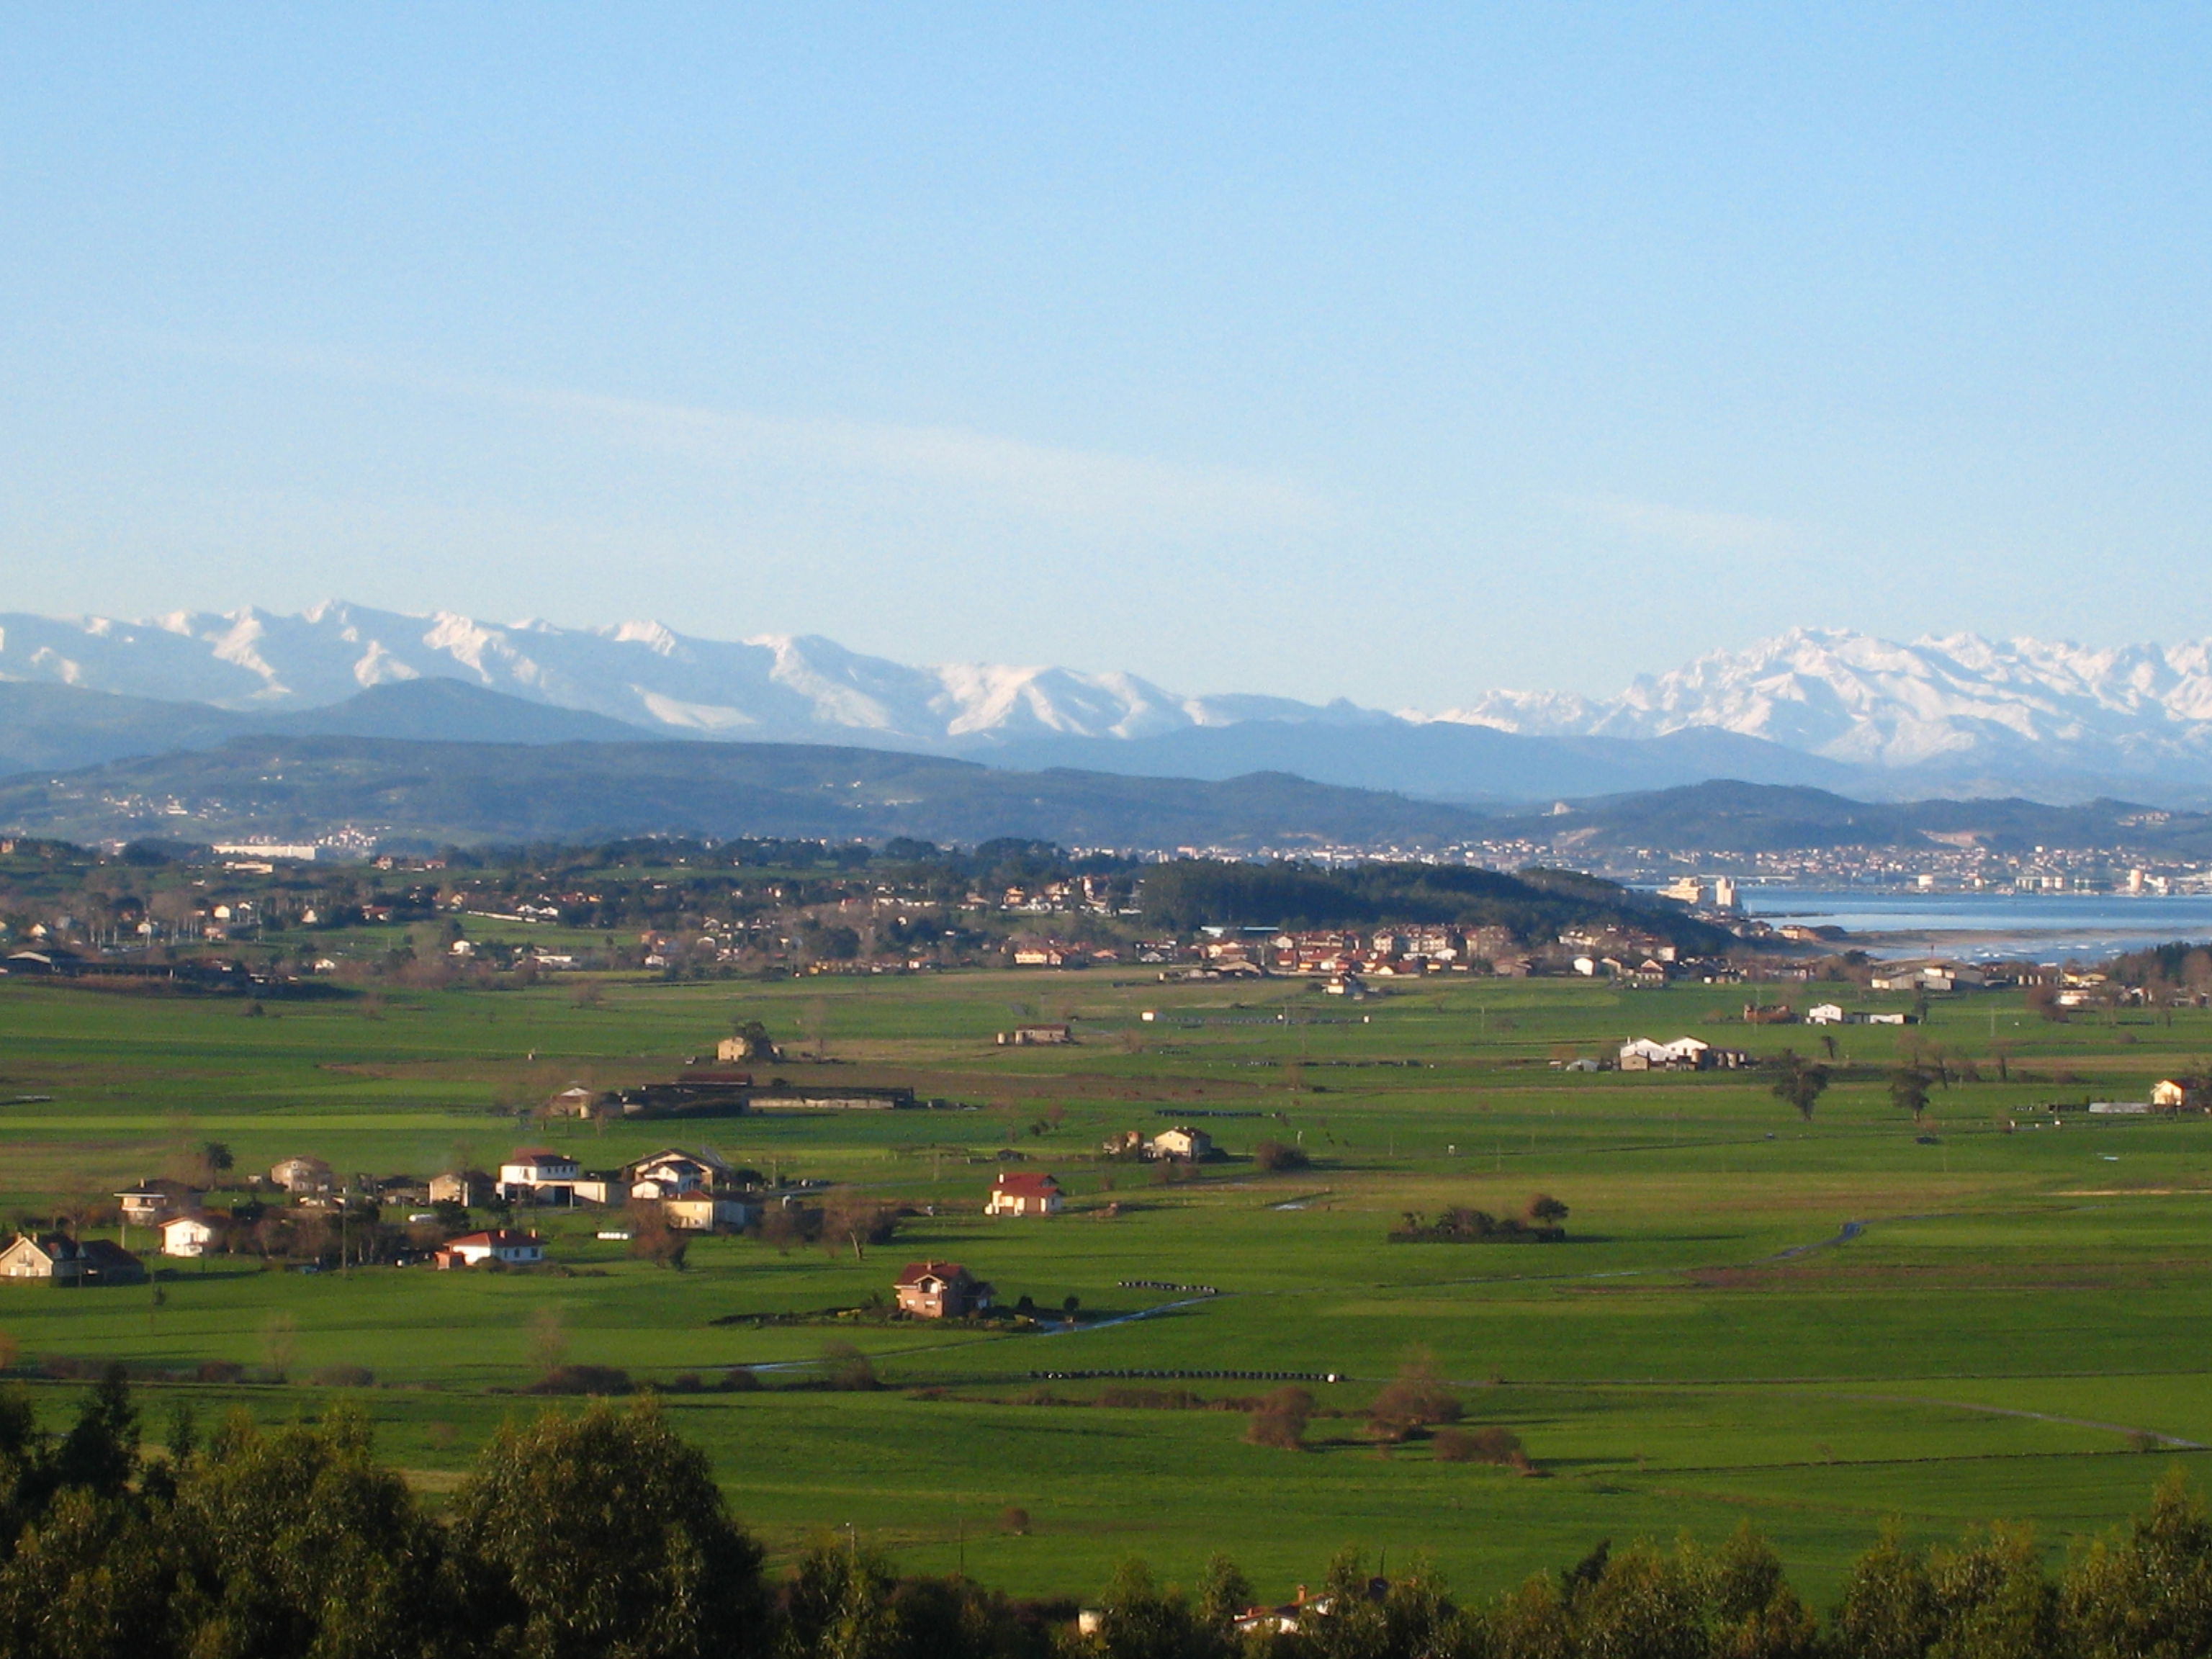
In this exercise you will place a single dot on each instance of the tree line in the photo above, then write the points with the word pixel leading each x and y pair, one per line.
pixel 599 1534
pixel 1535 903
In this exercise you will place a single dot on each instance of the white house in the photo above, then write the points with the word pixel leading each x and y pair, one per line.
pixel 474 1249
pixel 186 1235
pixel 1826 1014
pixel 537 1176
pixel 1020 1191
pixel 1182 1142
pixel 673 1172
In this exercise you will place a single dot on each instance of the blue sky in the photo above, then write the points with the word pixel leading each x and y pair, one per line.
pixel 1388 352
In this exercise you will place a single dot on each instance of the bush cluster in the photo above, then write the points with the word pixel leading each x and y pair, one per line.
pixel 1541 1222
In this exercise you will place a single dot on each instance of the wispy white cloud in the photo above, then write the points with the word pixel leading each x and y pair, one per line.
pixel 1698 530
pixel 1012 474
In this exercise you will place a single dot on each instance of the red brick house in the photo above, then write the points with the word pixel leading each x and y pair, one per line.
pixel 940 1290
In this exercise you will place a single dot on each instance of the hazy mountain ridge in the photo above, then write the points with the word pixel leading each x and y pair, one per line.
pixel 1734 817
pixel 289 788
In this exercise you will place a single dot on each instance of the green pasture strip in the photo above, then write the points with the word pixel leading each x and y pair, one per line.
pixel 1706 1344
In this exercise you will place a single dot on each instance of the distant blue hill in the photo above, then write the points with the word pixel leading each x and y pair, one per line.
pixel 58 728
pixel 1474 765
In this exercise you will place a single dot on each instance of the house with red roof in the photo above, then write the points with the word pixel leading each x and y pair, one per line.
pixel 1022 1192
pixel 940 1290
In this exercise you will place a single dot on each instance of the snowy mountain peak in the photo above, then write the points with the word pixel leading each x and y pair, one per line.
pixel 1962 705
pixel 1961 697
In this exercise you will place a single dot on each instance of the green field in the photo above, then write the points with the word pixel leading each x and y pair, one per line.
pixel 2022 1311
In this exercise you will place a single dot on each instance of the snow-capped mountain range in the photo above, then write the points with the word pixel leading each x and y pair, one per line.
pixel 1959 700
pixel 773 687
pixel 1956 711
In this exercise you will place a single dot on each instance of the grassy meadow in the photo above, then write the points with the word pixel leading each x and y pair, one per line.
pixel 1814 1324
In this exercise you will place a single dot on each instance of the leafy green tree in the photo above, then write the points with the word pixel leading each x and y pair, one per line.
pixel 1530 1622
pixel 1801 1082
pixel 1137 1620
pixel 836 1604
pixel 603 1536
pixel 1223 1592
pixel 956 1618
pixel 24 1455
pixel 1994 1598
pixel 1419 1618
pixel 1751 1612
pixel 100 1453
pixel 90 1579
pixel 296 1542
pixel 2147 1593
pixel 1644 1605
pixel 1889 1609
pixel 1908 1091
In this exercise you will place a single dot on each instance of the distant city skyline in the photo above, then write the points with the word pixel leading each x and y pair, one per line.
pixel 1399 357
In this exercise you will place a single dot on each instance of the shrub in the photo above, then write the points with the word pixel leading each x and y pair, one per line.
pixel 740 1379
pixel 1014 1520
pixel 652 1239
pixel 1415 1401
pixel 847 1369
pixel 1463 1223
pixel 1281 1420
pixel 583 1379
pixel 851 1221
pixel 344 1376
pixel 1277 1156
pixel 1492 1445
